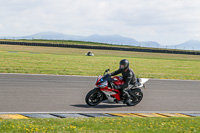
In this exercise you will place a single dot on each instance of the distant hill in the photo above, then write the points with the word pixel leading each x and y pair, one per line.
pixel 110 39
pixel 150 44
pixel 51 36
pixel 189 45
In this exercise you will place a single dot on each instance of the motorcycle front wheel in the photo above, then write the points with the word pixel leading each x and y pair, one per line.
pixel 94 97
pixel 135 100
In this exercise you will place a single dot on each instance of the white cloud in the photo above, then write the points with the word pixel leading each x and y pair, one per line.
pixel 168 22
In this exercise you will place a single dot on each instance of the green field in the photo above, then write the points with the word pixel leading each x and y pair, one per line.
pixel 71 61
pixel 103 125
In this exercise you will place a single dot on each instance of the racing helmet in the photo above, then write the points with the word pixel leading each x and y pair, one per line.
pixel 125 63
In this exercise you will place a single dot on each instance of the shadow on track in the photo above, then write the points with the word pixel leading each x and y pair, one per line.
pixel 98 106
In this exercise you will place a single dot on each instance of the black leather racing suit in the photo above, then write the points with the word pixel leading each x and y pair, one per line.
pixel 128 76
pixel 130 81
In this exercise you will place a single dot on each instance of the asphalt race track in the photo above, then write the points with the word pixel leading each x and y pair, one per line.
pixel 50 93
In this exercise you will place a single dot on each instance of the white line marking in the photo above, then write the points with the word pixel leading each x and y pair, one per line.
pixel 76 112
pixel 85 76
pixel 46 75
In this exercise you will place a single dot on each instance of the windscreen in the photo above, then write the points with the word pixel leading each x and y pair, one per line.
pixel 106 77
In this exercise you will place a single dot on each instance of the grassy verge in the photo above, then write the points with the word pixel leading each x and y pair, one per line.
pixel 103 125
pixel 71 61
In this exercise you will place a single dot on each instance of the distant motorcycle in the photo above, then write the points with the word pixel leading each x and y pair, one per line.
pixel 105 92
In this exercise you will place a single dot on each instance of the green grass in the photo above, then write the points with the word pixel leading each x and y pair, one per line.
pixel 71 61
pixel 103 125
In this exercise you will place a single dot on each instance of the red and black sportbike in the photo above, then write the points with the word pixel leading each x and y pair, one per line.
pixel 105 92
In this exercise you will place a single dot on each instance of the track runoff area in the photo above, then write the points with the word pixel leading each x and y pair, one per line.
pixel 50 96
pixel 88 115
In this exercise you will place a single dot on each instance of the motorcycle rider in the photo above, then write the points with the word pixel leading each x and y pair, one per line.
pixel 128 76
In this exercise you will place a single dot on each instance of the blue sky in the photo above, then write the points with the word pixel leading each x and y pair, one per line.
pixel 166 21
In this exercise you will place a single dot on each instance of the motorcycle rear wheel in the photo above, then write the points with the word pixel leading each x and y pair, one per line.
pixel 94 97
pixel 134 101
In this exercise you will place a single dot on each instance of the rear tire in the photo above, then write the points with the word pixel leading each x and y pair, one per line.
pixel 94 97
pixel 133 101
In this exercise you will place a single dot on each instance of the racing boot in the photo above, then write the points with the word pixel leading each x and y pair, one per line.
pixel 127 96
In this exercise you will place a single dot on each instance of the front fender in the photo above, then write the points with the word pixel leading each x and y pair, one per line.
pixel 104 96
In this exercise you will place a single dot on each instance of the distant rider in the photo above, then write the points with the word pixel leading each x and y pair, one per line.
pixel 128 76
pixel 89 53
